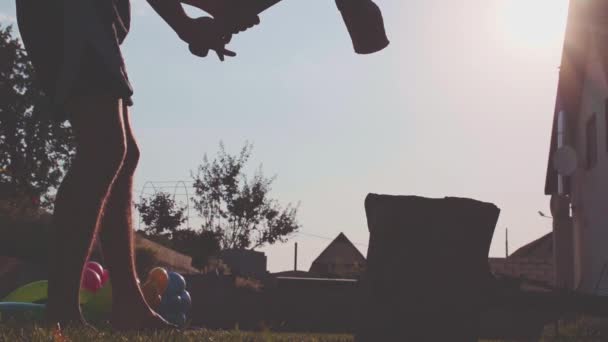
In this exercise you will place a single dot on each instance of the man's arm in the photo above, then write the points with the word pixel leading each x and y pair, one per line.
pixel 173 13
pixel 233 16
pixel 201 35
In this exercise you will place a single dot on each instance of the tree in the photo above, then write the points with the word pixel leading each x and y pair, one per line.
pixel 163 218
pixel 200 245
pixel 35 149
pixel 160 214
pixel 238 209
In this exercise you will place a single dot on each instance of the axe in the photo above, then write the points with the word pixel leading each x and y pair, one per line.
pixel 365 25
pixel 363 21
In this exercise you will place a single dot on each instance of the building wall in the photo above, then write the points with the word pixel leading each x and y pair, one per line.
pixel 338 269
pixel 563 251
pixel 590 185
pixel 169 258
pixel 341 260
pixel 538 269
pixel 245 263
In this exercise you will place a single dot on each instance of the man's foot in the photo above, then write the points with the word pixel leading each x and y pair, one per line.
pixel 144 320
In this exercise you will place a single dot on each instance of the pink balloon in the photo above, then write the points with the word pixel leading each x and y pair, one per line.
pixel 105 276
pixel 95 266
pixel 91 280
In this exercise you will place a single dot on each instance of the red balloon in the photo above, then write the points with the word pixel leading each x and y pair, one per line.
pixel 95 266
pixel 91 280
pixel 105 276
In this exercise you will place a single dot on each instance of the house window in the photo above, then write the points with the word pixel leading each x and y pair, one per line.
pixel 591 142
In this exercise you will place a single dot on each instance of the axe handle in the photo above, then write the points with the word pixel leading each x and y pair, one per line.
pixel 256 6
pixel 262 6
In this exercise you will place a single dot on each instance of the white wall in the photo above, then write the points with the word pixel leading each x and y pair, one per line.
pixel 590 186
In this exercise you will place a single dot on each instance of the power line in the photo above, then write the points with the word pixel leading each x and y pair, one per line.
pixel 183 185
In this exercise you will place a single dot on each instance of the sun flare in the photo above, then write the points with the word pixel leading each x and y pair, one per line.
pixel 533 23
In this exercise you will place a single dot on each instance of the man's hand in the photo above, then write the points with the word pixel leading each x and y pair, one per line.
pixel 204 34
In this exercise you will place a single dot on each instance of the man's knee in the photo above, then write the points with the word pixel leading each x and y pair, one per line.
pixel 131 157
pixel 115 154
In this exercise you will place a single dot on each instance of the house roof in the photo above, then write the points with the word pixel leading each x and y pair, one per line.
pixel 339 248
pixel 293 274
pixel 586 20
pixel 541 248
pixel 167 257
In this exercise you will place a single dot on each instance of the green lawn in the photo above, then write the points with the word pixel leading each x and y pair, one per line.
pixel 20 333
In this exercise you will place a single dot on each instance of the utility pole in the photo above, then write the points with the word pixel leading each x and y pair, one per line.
pixel 506 242
pixel 295 258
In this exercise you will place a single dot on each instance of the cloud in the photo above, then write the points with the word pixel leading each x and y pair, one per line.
pixel 7 19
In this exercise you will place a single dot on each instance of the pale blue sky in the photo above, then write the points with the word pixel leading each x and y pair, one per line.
pixel 460 104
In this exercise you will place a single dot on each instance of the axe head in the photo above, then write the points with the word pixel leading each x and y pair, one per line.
pixel 365 25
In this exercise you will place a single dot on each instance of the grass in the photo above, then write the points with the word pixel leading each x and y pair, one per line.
pixel 575 329
pixel 18 333
pixel 587 329
pixel 583 329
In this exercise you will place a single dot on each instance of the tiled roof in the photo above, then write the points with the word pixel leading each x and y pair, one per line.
pixel 541 248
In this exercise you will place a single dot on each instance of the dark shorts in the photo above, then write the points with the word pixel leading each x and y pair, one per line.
pixel 42 24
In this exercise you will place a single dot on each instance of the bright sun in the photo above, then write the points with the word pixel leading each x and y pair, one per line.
pixel 533 23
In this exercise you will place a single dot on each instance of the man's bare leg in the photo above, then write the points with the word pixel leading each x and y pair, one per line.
pixel 129 308
pixel 100 150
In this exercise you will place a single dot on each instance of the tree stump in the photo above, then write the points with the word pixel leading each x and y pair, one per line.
pixel 427 275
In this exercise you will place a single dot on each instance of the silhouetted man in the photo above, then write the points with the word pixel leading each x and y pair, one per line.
pixel 74 47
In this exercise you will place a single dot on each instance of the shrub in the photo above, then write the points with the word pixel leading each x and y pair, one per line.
pixel 24 231
pixel 21 209
pixel 248 284
pixel 216 266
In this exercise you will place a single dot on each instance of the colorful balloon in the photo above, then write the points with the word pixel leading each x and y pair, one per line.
pixel 162 308
pixel 177 284
pixel 178 319
pixel 105 276
pixel 32 292
pixel 154 302
pixel 186 301
pixel 22 311
pixel 91 280
pixel 38 292
pixel 85 296
pixel 173 304
pixel 100 304
pixel 160 278
pixel 95 266
pixel 150 292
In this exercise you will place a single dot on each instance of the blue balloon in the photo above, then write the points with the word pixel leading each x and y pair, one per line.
pixel 186 301
pixel 163 308
pixel 181 319
pixel 170 305
pixel 177 284
pixel 178 319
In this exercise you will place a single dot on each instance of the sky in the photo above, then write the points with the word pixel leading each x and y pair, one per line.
pixel 460 104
